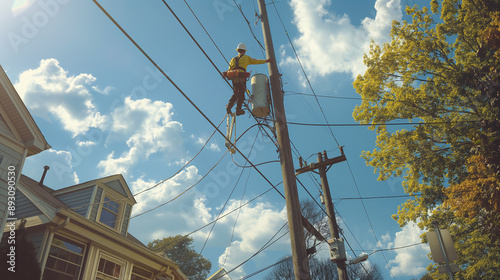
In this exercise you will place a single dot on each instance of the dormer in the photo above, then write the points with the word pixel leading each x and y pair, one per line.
pixel 106 201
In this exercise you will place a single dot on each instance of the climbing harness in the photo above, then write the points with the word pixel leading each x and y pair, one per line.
pixel 235 73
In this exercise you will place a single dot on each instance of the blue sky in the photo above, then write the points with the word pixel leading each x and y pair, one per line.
pixel 105 109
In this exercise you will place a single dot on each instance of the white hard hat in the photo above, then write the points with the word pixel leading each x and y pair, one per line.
pixel 241 46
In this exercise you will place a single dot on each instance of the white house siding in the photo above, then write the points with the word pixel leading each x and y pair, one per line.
pixel 8 157
pixel 95 207
pixel 75 200
pixel 117 186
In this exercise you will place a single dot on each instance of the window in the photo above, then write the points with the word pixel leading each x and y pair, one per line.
pixel 65 260
pixel 109 212
pixel 140 274
pixel 108 270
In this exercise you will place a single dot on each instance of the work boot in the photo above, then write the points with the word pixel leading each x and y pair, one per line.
pixel 239 112
pixel 228 110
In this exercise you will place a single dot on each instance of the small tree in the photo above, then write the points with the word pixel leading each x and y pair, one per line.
pixel 24 266
pixel 180 250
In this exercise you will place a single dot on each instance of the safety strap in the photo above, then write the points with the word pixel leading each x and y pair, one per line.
pixel 237 59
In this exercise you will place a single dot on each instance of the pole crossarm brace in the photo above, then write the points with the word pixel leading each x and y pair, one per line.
pixel 313 166
pixel 312 230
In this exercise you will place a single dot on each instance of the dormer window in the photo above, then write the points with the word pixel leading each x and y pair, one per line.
pixel 110 212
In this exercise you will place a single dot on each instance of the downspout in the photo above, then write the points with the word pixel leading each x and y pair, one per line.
pixel 49 242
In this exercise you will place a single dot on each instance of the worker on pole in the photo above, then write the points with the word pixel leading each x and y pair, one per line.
pixel 237 73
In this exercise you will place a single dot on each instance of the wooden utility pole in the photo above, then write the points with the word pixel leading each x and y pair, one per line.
pixel 323 163
pixel 297 240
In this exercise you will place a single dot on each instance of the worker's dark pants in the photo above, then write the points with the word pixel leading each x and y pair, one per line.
pixel 239 88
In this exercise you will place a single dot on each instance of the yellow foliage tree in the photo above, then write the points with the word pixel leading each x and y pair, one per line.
pixel 441 72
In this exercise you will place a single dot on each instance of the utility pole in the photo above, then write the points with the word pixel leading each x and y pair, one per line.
pixel 297 240
pixel 322 164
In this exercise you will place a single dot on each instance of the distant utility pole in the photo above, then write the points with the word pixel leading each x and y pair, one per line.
pixel 323 163
pixel 300 260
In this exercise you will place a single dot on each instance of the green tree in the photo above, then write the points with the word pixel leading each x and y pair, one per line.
pixel 180 250
pixel 440 69
pixel 25 264
pixel 321 269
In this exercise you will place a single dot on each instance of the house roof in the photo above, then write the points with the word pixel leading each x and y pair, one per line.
pixel 20 120
pixel 42 192
pixel 46 195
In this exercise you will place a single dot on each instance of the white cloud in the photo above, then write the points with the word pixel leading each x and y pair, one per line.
pixel 148 127
pixel 61 171
pixel 331 43
pixel 214 147
pixel 256 225
pixel 86 143
pixel 411 261
pixel 49 89
pixel 164 191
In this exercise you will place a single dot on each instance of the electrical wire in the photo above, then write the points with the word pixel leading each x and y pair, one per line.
pixel 265 246
pixel 326 96
pixel 184 166
pixel 248 23
pixel 396 248
pixel 227 214
pixel 194 40
pixel 377 197
pixel 162 181
pixel 227 200
pixel 208 34
pixel 372 124
pixel 183 192
pixel 182 92
pixel 266 268
pixel 368 216
pixel 184 95
pixel 304 72
pixel 236 220
pixel 329 217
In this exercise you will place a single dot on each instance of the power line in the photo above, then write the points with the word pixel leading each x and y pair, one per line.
pixel 367 216
pixel 304 72
pixel 236 220
pixel 265 246
pixel 227 200
pixel 184 166
pixel 372 124
pixel 208 34
pixel 182 92
pixel 227 214
pixel 248 23
pixel 375 197
pixel 327 96
pixel 266 268
pixel 396 248
pixel 179 195
pixel 162 181
pixel 194 40
pixel 331 218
